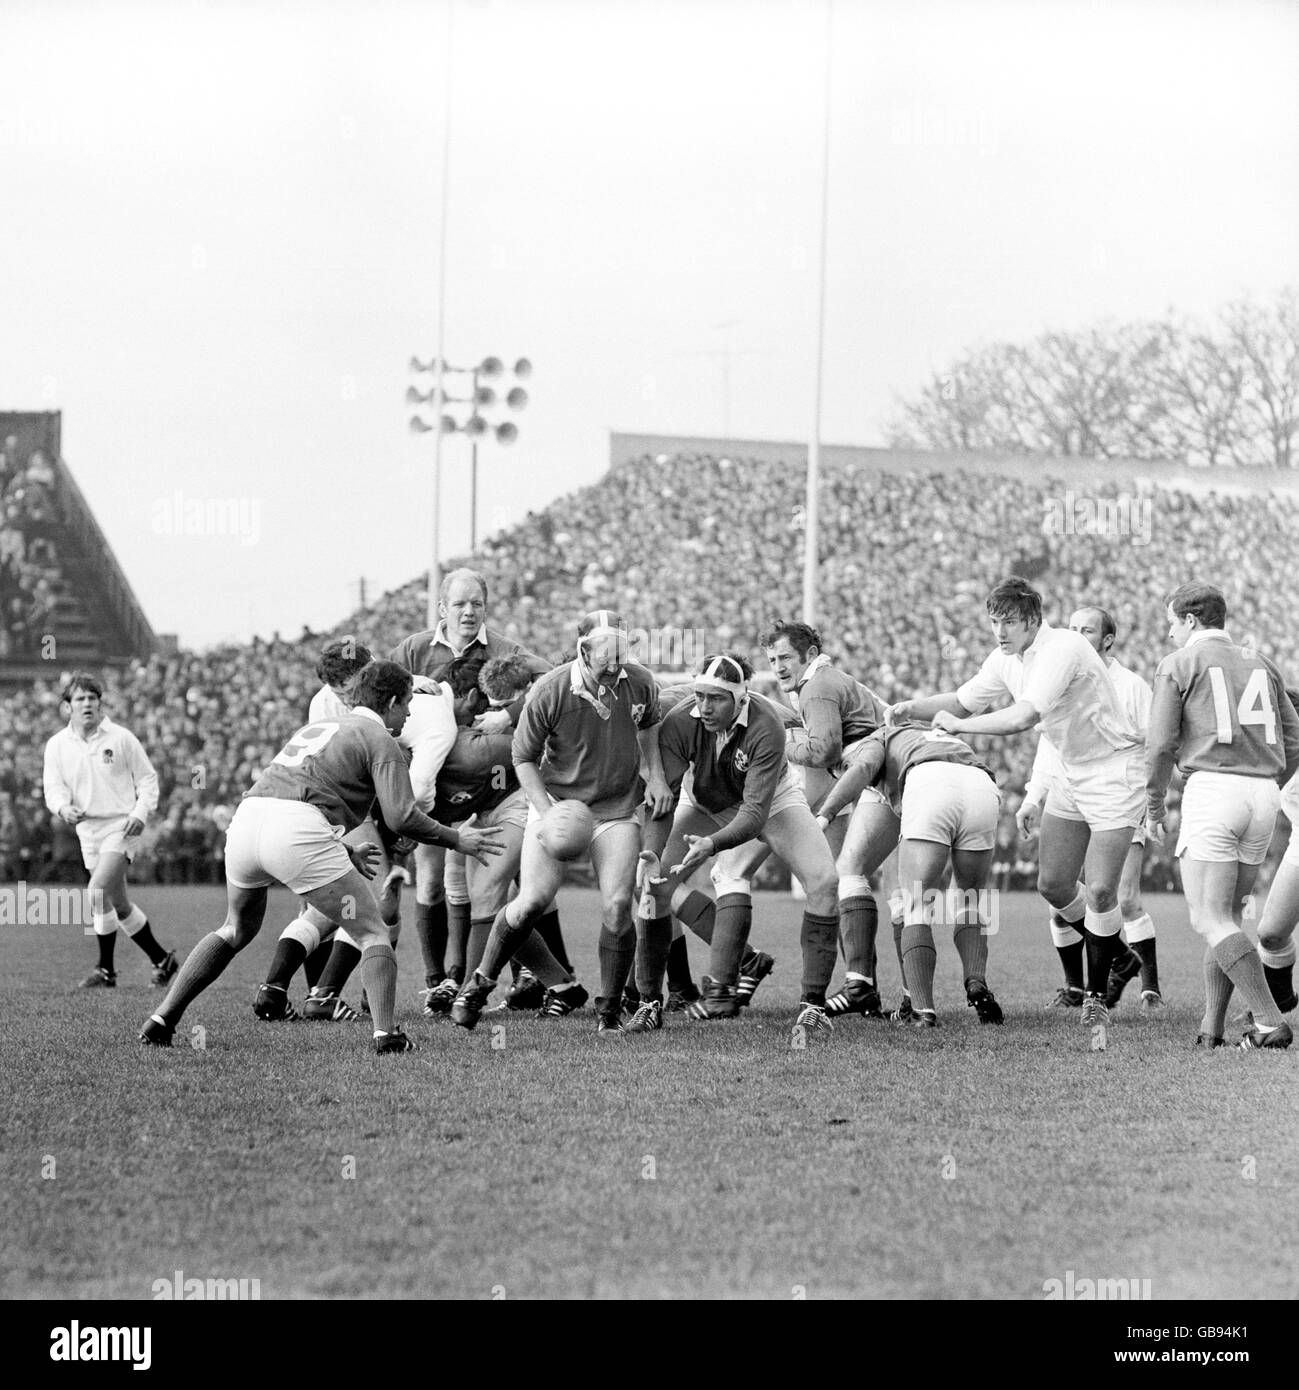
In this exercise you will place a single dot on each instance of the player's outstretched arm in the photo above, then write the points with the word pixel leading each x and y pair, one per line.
pixel 529 775
pixel 1014 719
pixel 849 787
pixel 923 708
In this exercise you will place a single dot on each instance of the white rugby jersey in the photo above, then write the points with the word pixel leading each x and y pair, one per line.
pixel 325 704
pixel 428 735
pixel 107 774
pixel 1135 696
pixel 1063 678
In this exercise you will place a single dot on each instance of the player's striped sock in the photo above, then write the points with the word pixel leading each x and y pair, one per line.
pixel 204 964
pixel 136 925
pixel 732 920
pixel 1217 996
pixel 858 924
pixel 617 953
pixel 971 943
pixel 548 929
pixel 1103 945
pixel 379 973
pixel 919 960
pixel 654 941
pixel 820 941
pixel 1239 961
pixel 343 959
pixel 431 928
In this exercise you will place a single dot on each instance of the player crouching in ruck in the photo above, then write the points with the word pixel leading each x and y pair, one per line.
pixel 289 827
pixel 948 803
pixel 742 789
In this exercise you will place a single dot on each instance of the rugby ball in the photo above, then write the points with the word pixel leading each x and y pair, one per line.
pixel 567 830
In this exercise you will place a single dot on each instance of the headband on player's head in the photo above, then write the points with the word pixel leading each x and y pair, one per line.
pixel 602 622
pixel 721 673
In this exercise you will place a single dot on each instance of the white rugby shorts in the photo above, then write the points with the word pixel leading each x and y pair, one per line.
pixel 1109 794
pixel 104 835
pixel 289 842
pixel 950 804
pixel 1228 818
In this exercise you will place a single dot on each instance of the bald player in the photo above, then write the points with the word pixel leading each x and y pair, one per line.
pixel 1222 715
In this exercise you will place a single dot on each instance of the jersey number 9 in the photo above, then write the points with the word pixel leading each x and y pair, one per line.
pixel 304 743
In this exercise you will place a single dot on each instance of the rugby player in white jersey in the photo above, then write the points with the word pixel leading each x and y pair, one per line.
pixel 947 802
pixel 1098 627
pixel 99 779
pixel 1276 929
pixel 581 736
pixel 1055 677
pixel 289 829
pixel 1222 715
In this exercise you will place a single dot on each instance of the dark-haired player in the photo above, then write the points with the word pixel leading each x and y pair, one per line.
pixel 836 713
pixel 1055 677
pixel 289 828
pixel 99 779
pixel 741 789
pixel 947 802
pixel 1098 627
pixel 1222 715
pixel 581 737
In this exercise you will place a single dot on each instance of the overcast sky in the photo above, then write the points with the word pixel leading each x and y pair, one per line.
pixel 221 228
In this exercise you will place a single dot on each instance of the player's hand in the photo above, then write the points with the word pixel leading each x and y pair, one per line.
pixel 895 714
pixel 655 890
pixel 403 847
pixel 478 844
pixel 71 815
pixel 1156 832
pixel 1027 818
pixel 134 826
pixel 658 797
pixel 822 822
pixel 365 859
pixel 494 721
pixel 700 851
pixel 945 722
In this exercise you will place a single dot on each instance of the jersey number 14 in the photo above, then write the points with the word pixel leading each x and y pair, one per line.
pixel 1254 707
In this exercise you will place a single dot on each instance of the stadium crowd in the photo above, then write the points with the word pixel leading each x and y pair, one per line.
pixel 697 544
pixel 29 570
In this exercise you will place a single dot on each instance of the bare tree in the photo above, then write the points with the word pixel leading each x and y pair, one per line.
pixel 1265 340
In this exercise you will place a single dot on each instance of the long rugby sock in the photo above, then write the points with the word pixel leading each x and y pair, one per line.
pixel 503 941
pixel 617 955
pixel 698 912
pixel 289 954
pixel 654 941
pixel 819 936
pixel 1103 945
pixel 540 960
pixel 314 965
pixel 679 964
pixel 480 929
pixel 1278 969
pixel 899 926
pixel 548 928
pixel 919 959
pixel 379 973
pixel 1217 995
pixel 458 928
pixel 1239 961
pixel 731 922
pixel 136 925
pixel 859 919
pixel 205 963
pixel 971 943
pixel 431 928
pixel 1141 937
pixel 107 943
pixel 343 959
pixel 1066 933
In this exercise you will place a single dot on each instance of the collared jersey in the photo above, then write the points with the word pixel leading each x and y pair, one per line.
pixel 341 766
pixel 1065 680
pixel 1219 707
pixel 325 704
pixel 428 736
pixel 107 774
pixel 836 712
pixel 585 744
pixel 739 773
pixel 430 654
pixel 888 755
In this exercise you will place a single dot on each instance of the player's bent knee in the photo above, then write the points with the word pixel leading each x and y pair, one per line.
pixel 235 935
pixel 303 932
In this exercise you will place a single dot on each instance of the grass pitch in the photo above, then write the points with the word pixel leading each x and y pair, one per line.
pixel 535 1159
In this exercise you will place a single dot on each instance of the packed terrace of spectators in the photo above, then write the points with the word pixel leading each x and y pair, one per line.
pixel 712 547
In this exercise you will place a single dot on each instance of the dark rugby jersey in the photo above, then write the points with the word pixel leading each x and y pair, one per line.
pixel 836 711
pixel 740 775
pixel 429 654
pixel 478 774
pixel 1218 707
pixel 585 745
pixel 341 766
pixel 888 756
